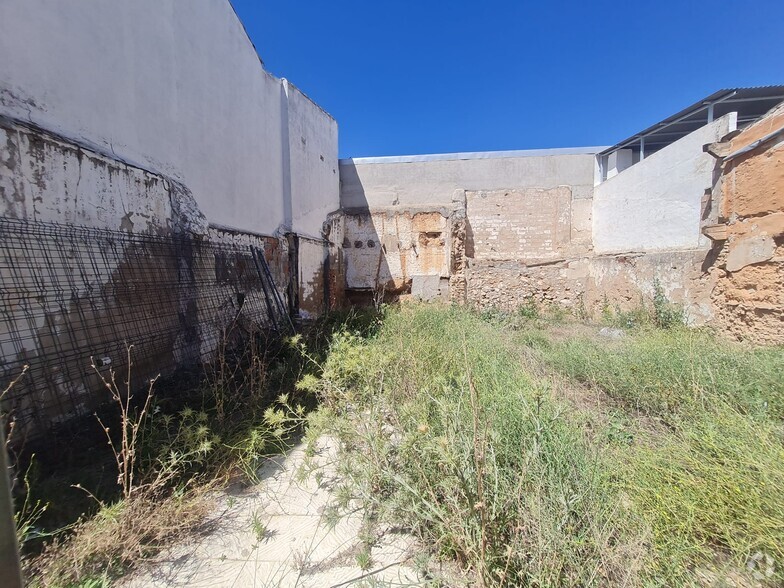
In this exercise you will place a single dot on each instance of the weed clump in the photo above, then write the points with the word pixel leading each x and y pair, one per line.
pixel 657 312
pixel 168 460
pixel 448 435
pixel 709 482
pixel 667 372
pixel 446 431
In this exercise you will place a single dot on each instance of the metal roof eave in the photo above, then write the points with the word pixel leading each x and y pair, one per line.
pixel 769 93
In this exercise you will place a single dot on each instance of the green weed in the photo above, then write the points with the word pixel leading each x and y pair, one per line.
pixel 662 372
pixel 715 484
pixel 446 431
pixel 258 527
pixel 452 438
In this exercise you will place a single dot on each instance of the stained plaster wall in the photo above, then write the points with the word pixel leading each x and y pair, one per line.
pixel 179 92
pixel 44 177
pixel 396 250
pixel 313 270
pixel 67 305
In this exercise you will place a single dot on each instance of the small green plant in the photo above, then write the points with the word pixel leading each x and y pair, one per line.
pixel 529 309
pixel 666 315
pixel 607 313
pixel 580 310
pixel 258 527
pixel 618 430
pixel 29 512
pixel 363 559
pixel 102 581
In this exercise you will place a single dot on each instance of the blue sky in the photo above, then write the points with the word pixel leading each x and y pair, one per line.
pixel 427 76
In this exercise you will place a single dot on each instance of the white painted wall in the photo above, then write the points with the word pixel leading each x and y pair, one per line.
pixel 172 86
pixel 380 182
pixel 313 162
pixel 655 204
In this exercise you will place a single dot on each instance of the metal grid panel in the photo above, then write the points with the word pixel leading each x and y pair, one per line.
pixel 71 293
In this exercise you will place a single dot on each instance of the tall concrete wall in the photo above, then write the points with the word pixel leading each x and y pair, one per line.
pixel 313 163
pixel 178 90
pixel 378 182
pixel 657 204
pixel 154 122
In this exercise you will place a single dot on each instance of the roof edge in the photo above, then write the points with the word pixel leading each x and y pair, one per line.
pixel 473 155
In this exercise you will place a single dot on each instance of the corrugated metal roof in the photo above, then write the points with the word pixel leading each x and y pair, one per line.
pixel 750 104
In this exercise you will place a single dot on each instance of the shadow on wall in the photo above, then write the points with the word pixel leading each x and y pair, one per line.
pixel 395 251
pixel 365 268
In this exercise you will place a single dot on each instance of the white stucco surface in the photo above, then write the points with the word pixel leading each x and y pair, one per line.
pixel 656 204
pixel 313 162
pixel 176 88
pixel 414 181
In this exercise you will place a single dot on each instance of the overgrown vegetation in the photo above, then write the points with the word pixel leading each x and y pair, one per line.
pixel 168 455
pixel 657 312
pixel 467 428
pixel 523 446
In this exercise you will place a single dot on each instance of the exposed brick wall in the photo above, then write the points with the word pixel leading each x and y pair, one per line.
pixel 520 247
pixel 749 294
pixel 530 225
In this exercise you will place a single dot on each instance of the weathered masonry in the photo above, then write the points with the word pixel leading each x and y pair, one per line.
pixel 748 238
pixel 584 227
pixel 159 188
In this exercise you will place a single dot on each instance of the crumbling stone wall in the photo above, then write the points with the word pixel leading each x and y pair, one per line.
pixel 749 237
pixel 398 252
pixel 504 248
pixel 540 238
pixel 525 245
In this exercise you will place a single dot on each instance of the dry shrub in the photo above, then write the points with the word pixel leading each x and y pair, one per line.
pixel 118 537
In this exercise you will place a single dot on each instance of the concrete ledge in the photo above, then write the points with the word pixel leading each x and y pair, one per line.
pixel 475 155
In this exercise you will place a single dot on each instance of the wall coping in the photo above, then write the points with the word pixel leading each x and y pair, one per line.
pixel 473 155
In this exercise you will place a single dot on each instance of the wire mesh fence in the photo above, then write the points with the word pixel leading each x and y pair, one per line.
pixel 73 296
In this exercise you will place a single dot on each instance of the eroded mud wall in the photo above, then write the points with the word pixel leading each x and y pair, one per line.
pixel 749 237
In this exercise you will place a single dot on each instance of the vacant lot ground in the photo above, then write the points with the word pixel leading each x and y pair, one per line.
pixel 501 449
pixel 536 452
